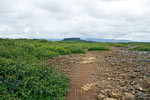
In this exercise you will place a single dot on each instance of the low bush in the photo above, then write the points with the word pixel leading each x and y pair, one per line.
pixel 61 51
pixel 24 74
pixel 22 81
pixel 44 54
pixel 74 49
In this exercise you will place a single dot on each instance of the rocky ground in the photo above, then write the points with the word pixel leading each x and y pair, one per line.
pixel 66 63
pixel 121 74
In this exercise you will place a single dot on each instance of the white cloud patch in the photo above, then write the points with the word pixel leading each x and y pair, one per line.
pixel 118 19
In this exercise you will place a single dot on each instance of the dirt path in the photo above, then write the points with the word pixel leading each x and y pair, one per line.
pixel 82 84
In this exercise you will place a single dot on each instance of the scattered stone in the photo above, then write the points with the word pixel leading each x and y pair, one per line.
pixel 116 95
pixel 109 99
pixel 123 98
pixel 140 95
pixel 101 96
pixel 110 78
pixel 107 91
pixel 138 87
pixel 129 96
pixel 121 83
pixel 129 75
pixel 137 70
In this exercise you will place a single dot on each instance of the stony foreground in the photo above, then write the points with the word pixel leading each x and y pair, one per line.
pixel 120 75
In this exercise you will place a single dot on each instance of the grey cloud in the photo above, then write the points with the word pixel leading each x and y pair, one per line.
pixel 119 19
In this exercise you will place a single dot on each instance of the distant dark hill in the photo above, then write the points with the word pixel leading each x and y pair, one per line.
pixel 93 40
pixel 96 40
pixel 72 39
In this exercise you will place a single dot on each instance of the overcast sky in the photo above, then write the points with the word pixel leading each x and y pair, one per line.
pixel 117 19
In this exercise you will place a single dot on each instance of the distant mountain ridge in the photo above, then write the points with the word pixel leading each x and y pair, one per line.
pixel 106 40
pixel 92 40
pixel 72 39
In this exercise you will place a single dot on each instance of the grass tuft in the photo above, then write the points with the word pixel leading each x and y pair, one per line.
pixel 98 49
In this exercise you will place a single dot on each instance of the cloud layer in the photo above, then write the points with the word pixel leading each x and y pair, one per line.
pixel 119 19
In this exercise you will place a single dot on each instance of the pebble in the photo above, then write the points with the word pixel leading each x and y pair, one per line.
pixel 138 87
pixel 129 96
pixel 116 95
pixel 101 96
pixel 109 99
pixel 140 95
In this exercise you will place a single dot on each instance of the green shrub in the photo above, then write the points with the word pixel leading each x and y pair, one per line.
pixel 119 45
pixel 44 54
pixel 74 49
pixel 98 49
pixel 57 49
pixel 77 50
pixel 62 51
pixel 24 74
pixel 141 48
pixel 32 82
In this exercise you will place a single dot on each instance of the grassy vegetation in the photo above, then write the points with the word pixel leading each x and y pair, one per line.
pixel 140 46
pixel 24 74
pixel 136 46
pixel 98 49
pixel 75 49
pixel 125 45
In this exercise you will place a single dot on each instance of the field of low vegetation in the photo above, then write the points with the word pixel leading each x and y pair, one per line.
pixel 25 75
pixel 141 46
